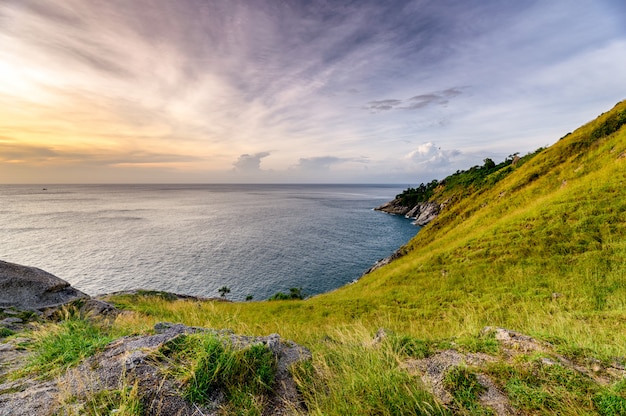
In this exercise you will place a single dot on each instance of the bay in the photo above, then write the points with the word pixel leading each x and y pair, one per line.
pixel 194 239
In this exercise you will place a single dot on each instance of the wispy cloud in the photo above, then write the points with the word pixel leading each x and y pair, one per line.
pixel 437 98
pixel 210 83
pixel 324 163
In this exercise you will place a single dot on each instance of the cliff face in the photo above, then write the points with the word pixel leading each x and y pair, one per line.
pixel 422 213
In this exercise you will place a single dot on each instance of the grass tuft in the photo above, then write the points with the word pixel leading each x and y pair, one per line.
pixel 57 347
pixel 466 390
pixel 209 367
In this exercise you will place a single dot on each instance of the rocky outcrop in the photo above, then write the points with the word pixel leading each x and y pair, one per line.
pixel 131 361
pixel 515 350
pixel 26 287
pixel 422 213
pixel 385 261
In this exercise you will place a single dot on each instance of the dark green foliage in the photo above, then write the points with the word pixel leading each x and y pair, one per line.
pixel 489 164
pixel 223 291
pixel 213 365
pixel 410 346
pixel 475 177
pixel 295 293
pixel 542 385
pixel 244 376
pixel 485 343
pixel 611 401
pixel 610 404
pixel 413 196
pixel 465 388
pixel 249 297
pixel 64 347
pixel 464 181
pixel 163 295
pixel 530 396
pixel 612 124
pixel 5 332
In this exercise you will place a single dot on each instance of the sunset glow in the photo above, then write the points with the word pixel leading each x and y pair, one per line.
pixel 242 91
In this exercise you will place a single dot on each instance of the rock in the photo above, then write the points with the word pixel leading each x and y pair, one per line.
pixel 380 336
pixel 26 287
pixel 514 349
pixel 12 323
pixel 425 213
pixel 130 361
pixel 433 370
pixel 394 207
pixel 383 262
pixel 422 213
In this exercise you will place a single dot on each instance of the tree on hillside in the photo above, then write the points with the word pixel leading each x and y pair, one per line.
pixel 489 164
pixel 223 291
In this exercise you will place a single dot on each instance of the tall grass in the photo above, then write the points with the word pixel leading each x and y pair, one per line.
pixel 208 366
pixel 57 347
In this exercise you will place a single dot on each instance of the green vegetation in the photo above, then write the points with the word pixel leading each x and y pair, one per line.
pixel 464 182
pixel 413 196
pixel 206 365
pixel 537 247
pixel 224 290
pixel 59 346
pixel 5 332
pixel 541 385
pixel 351 376
pixel 124 402
pixel 465 389
pixel 295 293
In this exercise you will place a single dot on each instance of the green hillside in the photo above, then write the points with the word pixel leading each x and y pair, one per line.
pixel 537 247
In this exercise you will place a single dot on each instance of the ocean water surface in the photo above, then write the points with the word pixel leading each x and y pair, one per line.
pixel 194 239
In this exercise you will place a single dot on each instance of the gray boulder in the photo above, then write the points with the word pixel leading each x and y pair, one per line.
pixel 26 287
pixel 132 361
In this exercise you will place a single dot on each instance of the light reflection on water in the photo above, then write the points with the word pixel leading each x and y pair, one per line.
pixel 193 239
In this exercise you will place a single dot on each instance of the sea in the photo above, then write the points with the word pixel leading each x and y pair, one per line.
pixel 194 239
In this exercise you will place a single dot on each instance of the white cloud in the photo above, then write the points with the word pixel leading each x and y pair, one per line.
pixel 250 163
pixel 430 153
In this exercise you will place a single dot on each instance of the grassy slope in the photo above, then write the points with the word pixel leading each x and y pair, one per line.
pixel 542 252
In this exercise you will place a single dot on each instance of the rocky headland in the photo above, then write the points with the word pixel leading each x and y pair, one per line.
pixel 421 213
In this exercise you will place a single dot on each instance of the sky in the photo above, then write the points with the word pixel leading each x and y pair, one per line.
pixel 287 91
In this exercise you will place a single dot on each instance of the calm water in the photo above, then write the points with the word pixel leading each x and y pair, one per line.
pixel 194 239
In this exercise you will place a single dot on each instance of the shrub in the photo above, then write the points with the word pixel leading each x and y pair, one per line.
pixel 295 293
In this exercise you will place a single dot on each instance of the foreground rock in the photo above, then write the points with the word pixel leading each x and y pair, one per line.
pixel 30 288
pixel 129 361
pixel 515 350
pixel 422 213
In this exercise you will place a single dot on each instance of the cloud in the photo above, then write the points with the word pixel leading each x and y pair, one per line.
pixel 382 105
pixel 431 154
pixel 323 163
pixel 436 98
pixel 182 82
pixel 20 153
pixel 250 163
